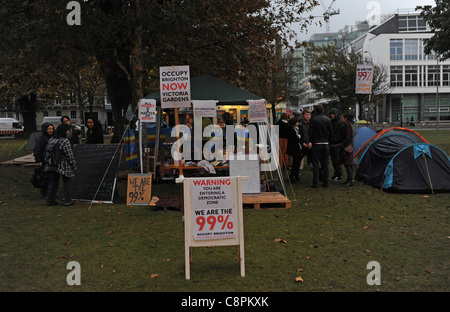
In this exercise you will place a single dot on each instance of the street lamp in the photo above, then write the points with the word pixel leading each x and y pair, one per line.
pixel 438 101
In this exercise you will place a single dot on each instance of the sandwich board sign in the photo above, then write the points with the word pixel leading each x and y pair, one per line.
pixel 213 215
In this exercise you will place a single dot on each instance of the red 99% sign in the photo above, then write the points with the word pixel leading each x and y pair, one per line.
pixel 217 223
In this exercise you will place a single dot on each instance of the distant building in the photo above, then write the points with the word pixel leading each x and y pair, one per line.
pixel 419 82
pixel 397 43
pixel 101 108
pixel 306 95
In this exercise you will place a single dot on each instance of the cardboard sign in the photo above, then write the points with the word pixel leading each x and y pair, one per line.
pixel 147 110
pixel 175 86
pixel 364 77
pixel 139 189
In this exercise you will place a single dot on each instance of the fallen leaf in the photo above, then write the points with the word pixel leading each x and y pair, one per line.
pixel 299 279
pixel 279 240
pixel 68 243
pixel 153 275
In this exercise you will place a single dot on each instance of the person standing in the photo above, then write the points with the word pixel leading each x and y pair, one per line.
pixel 347 140
pixel 39 150
pixel 73 135
pixel 294 148
pixel 306 142
pixel 64 167
pixel 320 133
pixel 283 130
pixel 94 134
pixel 335 144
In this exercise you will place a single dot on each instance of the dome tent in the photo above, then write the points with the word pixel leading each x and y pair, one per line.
pixel 418 168
pixel 362 135
pixel 417 138
pixel 377 154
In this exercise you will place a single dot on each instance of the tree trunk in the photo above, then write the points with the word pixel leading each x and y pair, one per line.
pixel 27 106
pixel 119 93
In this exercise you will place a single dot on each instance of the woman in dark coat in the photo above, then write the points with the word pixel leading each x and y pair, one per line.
pixel 39 149
pixel 94 134
pixel 294 148
pixel 347 139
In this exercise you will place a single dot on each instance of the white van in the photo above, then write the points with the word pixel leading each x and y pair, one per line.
pixel 10 126
pixel 54 120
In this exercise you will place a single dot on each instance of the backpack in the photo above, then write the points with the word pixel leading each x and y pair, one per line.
pixel 52 156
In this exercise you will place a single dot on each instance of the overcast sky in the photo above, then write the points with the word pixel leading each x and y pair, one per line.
pixel 357 10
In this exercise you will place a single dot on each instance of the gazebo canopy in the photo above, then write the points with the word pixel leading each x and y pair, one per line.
pixel 206 87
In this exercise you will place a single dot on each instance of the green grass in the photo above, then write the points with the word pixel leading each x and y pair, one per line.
pixel 328 238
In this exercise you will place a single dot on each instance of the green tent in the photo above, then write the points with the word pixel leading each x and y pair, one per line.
pixel 206 87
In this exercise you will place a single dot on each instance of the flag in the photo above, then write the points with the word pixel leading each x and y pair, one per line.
pixel 131 154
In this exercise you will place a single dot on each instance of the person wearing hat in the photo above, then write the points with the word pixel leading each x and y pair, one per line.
pixel 294 148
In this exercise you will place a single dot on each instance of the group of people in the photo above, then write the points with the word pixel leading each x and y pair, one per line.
pixel 318 138
pixel 67 136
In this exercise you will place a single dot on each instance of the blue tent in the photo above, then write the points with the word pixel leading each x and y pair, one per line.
pixel 362 135
pixel 418 168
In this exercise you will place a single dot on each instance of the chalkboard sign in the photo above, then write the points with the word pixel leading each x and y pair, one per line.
pixel 95 178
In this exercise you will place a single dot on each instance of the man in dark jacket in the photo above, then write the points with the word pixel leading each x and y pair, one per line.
pixel 320 136
pixel 335 143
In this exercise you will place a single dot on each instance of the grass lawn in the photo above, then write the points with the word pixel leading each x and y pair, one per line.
pixel 327 239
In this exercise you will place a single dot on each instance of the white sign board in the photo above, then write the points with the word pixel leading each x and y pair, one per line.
pixel 364 77
pixel 249 167
pixel 213 214
pixel 204 108
pixel 175 86
pixel 257 111
pixel 147 110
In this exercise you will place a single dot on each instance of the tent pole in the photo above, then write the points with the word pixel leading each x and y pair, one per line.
pixel 180 168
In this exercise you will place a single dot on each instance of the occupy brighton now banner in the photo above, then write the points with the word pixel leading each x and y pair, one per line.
pixel 175 86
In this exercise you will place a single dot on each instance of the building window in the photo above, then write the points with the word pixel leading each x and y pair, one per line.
pixel 411 23
pixel 396 76
pixel 446 75
pixel 411 76
pixel 396 49
pixel 45 113
pixel 73 114
pixel 433 75
pixel 58 113
pixel 411 50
